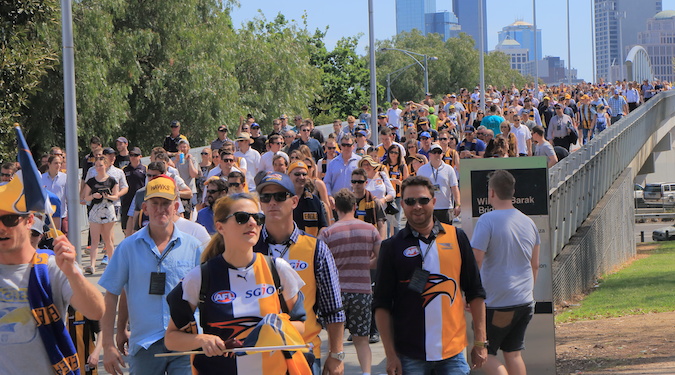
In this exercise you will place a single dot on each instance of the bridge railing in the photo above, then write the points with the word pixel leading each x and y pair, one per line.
pixel 578 182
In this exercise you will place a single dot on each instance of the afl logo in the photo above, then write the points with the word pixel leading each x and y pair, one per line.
pixel 412 251
pixel 298 265
pixel 223 297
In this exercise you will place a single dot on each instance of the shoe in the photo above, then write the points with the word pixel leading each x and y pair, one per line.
pixel 104 261
pixel 88 270
pixel 374 338
pixel 349 338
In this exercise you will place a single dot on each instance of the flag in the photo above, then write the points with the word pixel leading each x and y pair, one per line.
pixel 24 193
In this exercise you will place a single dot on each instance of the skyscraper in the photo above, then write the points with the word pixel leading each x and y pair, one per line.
pixel 659 41
pixel 617 24
pixel 467 13
pixel 523 33
pixel 422 15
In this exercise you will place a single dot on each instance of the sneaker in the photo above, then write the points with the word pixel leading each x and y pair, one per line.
pixel 88 270
pixel 374 338
pixel 104 261
pixel 350 338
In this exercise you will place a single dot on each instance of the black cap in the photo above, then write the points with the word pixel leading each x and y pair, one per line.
pixel 135 151
pixel 109 151
pixel 175 123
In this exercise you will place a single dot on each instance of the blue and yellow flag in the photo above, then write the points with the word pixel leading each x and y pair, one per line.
pixel 24 193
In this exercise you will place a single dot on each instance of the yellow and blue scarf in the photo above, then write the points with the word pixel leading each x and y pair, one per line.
pixel 55 337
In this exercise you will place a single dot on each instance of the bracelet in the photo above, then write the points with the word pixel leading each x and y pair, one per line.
pixel 481 344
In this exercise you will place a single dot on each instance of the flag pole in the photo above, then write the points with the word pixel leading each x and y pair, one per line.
pixel 259 349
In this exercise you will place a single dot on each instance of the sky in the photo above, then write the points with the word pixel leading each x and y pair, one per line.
pixel 350 17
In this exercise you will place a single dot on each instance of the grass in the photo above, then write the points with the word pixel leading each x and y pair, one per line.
pixel 645 286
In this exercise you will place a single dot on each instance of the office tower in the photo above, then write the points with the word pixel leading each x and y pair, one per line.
pixel 659 41
pixel 523 33
pixel 467 13
pixel 617 24
pixel 410 14
pixel 517 53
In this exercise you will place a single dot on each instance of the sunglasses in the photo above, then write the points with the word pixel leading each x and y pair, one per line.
pixel 10 220
pixel 6 174
pixel 299 174
pixel 423 201
pixel 214 191
pixel 205 153
pixel 234 184
pixel 304 130
pixel 331 148
pixel 228 160
pixel 436 151
pixel 358 181
pixel 279 196
pixel 35 234
pixel 347 144
pixel 394 152
pixel 442 139
pixel 242 217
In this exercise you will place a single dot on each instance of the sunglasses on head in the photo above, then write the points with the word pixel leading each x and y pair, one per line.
pixel 279 196
pixel 423 201
pixel 358 181
pixel 242 217
pixel 10 220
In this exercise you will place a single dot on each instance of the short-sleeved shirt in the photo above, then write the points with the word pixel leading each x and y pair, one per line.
pixel 443 179
pixel 544 149
pixel 19 337
pixel 101 187
pixel 136 180
pixel 492 122
pixel 507 237
pixel 310 215
pixel 352 243
pixel 477 145
pixel 129 270
pixel 171 144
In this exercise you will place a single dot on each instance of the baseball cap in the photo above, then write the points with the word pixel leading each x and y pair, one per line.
pixel 183 140
pixel 255 125
pixel 557 105
pixel 38 224
pixel 428 94
pixel 276 178
pixel 423 120
pixel 425 134
pixel 546 98
pixel 451 107
pixel 431 109
pixel 122 139
pixel 175 123
pixel 297 164
pixel 108 151
pixel 469 129
pixel 135 151
pixel 435 147
pixel 161 186
pixel 244 136
pixel 382 115
pixel 452 96
pixel 222 128
pixel 617 92
pixel 393 126
pixel 362 132
pixel 283 117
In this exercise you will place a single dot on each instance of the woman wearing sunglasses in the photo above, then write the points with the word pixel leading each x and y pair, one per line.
pixel 101 190
pixel 237 293
pixel 398 171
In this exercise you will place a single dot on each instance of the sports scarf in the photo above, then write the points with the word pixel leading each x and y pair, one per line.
pixel 55 337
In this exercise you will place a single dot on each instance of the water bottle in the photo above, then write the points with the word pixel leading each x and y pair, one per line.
pixel 181 157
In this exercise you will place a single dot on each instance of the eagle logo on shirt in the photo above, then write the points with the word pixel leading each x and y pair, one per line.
pixel 438 285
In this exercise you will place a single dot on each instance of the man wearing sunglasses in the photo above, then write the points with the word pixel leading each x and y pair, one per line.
pixel 266 160
pixel 7 171
pixel 147 265
pixel 418 304
pixel 310 214
pixel 446 188
pixel 312 260
pixel 215 189
pixel 314 145
pixel 35 285
pixel 339 171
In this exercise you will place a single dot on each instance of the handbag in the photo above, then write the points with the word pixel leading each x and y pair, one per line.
pixel 391 209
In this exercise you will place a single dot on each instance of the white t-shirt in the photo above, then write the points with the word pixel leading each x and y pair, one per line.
pixel 380 186
pixel 394 116
pixel 21 347
pixel 193 229
pixel 443 179
pixel 252 158
pixel 267 158
pixel 522 134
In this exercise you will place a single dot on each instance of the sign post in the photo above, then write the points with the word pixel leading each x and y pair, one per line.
pixel 531 198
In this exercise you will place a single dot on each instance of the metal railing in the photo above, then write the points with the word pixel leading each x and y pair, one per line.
pixel 578 182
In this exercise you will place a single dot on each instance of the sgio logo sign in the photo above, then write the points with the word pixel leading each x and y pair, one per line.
pixel 261 290
pixel 298 265
pixel 223 297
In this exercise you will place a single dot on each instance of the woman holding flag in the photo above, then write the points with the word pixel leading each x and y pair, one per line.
pixel 239 293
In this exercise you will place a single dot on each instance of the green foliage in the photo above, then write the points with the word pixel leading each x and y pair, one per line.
pixel 25 57
pixel 642 287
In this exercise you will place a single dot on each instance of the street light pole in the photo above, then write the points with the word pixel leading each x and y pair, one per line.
pixel 388 87
pixel 425 65
pixel 373 83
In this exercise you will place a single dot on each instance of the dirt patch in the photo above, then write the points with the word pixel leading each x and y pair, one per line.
pixel 617 345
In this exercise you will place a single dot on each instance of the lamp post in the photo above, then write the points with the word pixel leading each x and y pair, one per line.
pixel 389 79
pixel 425 65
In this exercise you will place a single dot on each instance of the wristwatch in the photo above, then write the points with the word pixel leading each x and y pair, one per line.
pixel 339 356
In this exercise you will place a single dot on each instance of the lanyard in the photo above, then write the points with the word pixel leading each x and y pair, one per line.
pixel 281 255
pixel 426 252
pixel 164 254
pixel 434 172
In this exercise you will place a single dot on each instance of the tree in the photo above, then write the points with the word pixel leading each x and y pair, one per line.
pixel 25 57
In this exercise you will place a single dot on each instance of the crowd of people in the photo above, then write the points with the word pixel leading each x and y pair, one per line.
pixel 309 226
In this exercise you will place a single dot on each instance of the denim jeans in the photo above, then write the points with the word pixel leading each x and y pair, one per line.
pixel 456 365
pixel 144 362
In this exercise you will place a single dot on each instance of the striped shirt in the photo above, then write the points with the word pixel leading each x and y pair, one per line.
pixel 352 243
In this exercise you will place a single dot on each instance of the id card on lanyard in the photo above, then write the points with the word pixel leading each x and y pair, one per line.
pixel 418 280
pixel 158 279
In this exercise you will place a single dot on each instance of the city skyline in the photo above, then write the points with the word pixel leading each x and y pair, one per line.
pixel 350 18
